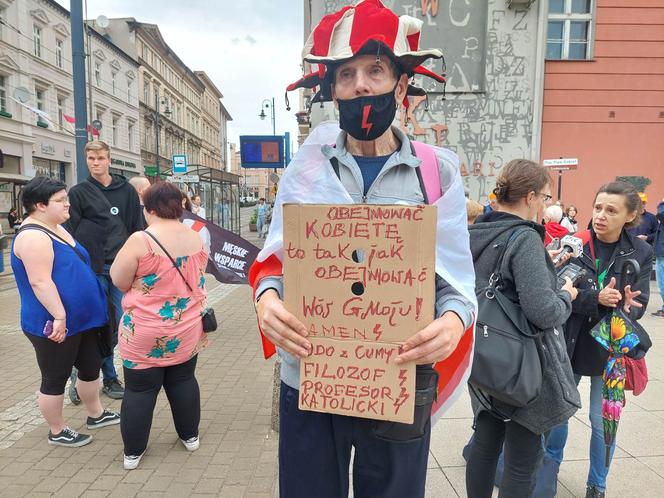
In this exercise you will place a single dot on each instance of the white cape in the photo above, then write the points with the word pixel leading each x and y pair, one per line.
pixel 309 179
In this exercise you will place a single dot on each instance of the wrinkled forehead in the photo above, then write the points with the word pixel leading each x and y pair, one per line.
pixel 617 201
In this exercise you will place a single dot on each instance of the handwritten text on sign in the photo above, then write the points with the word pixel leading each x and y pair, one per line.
pixel 361 279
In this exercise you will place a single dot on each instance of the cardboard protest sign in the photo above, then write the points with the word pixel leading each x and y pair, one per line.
pixel 230 256
pixel 362 280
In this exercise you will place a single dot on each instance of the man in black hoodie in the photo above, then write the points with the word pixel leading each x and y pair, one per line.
pixel 104 211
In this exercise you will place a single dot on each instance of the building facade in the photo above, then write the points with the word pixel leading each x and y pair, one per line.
pixel 604 96
pixel 36 71
pixel 169 95
pixel 215 119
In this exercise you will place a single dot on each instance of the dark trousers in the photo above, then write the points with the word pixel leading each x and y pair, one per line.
pixel 56 360
pixel 523 452
pixel 315 451
pixel 141 390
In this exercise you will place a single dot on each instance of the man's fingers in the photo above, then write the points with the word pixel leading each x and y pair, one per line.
pixel 291 321
pixel 424 335
pixel 612 283
pixel 289 340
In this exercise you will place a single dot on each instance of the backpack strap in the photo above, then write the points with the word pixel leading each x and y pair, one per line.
pixel 429 170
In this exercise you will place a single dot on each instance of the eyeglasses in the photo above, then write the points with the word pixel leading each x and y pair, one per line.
pixel 64 200
pixel 547 197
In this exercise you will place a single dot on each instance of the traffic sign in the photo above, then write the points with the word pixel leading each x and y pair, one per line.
pixel 180 164
pixel 184 179
pixel 562 164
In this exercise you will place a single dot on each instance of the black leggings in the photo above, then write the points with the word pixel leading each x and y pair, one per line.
pixel 55 360
pixel 523 452
pixel 141 390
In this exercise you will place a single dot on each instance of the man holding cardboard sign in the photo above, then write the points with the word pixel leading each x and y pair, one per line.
pixel 357 249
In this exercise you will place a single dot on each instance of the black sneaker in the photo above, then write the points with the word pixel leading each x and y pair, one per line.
pixel 593 492
pixel 105 419
pixel 73 393
pixel 69 437
pixel 113 389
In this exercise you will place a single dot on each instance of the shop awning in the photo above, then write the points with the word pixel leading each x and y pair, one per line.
pixel 14 178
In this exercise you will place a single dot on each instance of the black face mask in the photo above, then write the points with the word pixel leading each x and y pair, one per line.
pixel 367 118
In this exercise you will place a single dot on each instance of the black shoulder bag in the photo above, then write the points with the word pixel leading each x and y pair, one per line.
pixel 508 362
pixel 104 333
pixel 208 317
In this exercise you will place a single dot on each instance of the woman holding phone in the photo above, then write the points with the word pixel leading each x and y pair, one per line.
pixel 62 308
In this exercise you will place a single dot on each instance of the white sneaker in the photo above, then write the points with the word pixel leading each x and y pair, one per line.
pixel 191 444
pixel 132 461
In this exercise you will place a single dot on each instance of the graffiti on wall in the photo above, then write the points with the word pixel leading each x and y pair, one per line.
pixel 485 128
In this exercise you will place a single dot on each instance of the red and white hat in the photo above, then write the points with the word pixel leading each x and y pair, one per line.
pixel 365 28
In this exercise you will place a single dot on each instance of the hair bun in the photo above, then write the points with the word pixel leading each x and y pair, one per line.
pixel 500 190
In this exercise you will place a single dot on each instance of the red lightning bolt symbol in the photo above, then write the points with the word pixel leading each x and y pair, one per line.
pixel 403 395
pixel 365 115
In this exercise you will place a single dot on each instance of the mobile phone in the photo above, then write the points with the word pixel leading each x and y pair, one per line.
pixel 574 272
pixel 48 328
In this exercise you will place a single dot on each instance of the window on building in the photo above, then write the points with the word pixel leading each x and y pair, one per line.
pixel 146 92
pixel 37 40
pixel 59 50
pixel 130 134
pixel 39 98
pixel 61 110
pixel 129 85
pixel 114 82
pixel 98 73
pixel 114 130
pixel 569 31
pixel 3 93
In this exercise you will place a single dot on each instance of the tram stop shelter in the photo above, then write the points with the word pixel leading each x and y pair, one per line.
pixel 219 191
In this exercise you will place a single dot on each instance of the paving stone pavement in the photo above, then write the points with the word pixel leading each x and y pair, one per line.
pixel 238 453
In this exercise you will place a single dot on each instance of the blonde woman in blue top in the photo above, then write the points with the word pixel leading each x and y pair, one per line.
pixel 62 308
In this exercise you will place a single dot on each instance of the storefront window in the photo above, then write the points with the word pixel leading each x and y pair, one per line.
pixel 50 168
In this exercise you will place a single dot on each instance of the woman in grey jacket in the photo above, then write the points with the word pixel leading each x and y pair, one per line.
pixel 529 278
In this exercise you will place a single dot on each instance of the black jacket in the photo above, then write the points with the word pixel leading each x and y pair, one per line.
pixel 102 218
pixel 588 356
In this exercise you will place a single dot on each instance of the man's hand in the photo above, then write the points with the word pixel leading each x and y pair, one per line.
pixel 609 296
pixel 280 326
pixel 434 342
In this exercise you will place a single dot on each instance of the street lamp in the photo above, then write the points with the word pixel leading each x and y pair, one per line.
pixel 266 103
pixel 157 115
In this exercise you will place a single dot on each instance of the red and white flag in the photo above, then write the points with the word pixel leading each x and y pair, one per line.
pixel 90 129
pixel 309 180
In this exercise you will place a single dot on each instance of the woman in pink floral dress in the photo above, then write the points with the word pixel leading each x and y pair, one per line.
pixel 161 331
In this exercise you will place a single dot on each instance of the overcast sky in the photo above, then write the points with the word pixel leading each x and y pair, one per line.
pixel 250 49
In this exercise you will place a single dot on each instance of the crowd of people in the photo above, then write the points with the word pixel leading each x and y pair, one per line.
pixel 109 264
